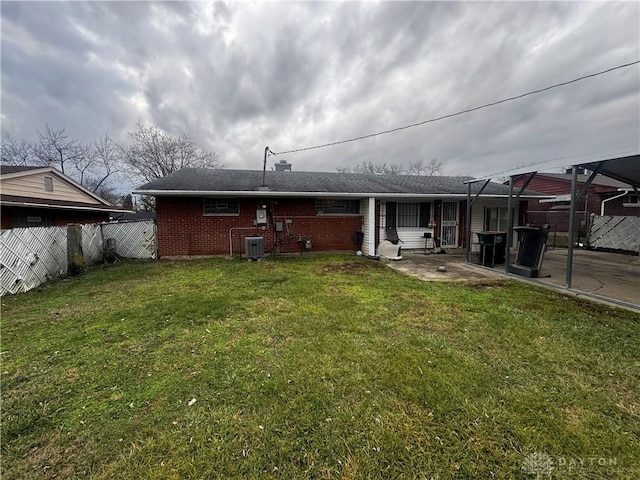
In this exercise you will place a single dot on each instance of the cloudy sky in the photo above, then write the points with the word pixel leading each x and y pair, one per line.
pixel 241 76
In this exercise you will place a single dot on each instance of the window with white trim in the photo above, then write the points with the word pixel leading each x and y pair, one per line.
pixel 220 206
pixel 631 200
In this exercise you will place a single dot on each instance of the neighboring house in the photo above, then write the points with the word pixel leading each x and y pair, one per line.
pixel 209 212
pixel 605 196
pixel 43 196
pixel 135 216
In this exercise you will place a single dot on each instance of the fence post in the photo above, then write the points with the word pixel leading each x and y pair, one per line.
pixel 75 257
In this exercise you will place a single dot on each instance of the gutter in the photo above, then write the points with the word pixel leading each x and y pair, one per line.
pixel 259 193
pixel 625 192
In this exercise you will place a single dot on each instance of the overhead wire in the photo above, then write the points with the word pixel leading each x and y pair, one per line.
pixel 461 112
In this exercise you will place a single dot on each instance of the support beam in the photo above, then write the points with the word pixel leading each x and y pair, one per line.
pixel 470 202
pixel 507 247
pixel 572 218
pixel 526 184
pixel 468 226
pixel 589 180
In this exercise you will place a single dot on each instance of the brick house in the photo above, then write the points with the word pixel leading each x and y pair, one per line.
pixel 210 212
pixel 604 196
pixel 44 196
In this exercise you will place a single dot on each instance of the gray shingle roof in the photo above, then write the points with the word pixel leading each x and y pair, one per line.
pixel 224 180
pixel 7 169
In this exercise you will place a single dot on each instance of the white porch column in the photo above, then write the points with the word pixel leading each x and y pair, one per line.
pixel 371 226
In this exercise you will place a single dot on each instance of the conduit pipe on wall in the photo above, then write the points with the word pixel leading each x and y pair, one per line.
pixel 609 199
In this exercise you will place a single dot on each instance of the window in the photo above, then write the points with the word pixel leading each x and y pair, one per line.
pixel 496 219
pixel 409 215
pixel 631 200
pixel 48 184
pixel 337 207
pixel 220 206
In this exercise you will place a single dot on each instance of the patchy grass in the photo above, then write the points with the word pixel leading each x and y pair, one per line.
pixel 320 367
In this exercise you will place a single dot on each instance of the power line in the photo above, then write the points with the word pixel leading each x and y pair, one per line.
pixel 486 105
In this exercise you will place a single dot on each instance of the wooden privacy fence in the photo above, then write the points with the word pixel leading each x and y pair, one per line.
pixel 32 256
pixel 615 233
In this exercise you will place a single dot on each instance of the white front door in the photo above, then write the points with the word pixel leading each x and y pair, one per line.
pixel 449 224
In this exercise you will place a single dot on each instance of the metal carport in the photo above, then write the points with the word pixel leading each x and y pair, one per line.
pixel 624 167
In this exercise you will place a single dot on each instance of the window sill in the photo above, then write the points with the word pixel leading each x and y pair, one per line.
pixel 338 214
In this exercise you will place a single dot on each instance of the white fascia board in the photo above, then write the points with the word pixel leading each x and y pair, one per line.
pixel 253 193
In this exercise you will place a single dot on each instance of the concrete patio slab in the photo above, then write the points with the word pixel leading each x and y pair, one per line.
pixel 609 275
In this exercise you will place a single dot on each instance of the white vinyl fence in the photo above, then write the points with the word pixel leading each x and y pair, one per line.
pixel 615 233
pixel 32 256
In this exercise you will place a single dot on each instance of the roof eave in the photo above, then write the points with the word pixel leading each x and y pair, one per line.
pixel 270 193
pixel 105 208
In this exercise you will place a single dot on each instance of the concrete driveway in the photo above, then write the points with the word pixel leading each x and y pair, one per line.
pixel 611 275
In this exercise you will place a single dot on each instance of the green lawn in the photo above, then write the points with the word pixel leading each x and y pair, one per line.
pixel 313 367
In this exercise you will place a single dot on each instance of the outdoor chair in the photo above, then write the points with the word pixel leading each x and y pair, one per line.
pixel 392 235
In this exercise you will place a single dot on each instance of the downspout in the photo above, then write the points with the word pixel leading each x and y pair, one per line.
pixel 609 199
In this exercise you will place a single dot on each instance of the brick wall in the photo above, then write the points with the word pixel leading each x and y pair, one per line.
pixel 184 230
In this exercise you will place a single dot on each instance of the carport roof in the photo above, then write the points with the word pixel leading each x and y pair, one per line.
pixel 624 167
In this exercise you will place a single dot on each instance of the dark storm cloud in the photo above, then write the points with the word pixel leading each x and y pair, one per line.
pixel 240 76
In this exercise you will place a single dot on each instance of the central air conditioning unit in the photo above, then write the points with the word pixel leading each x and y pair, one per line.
pixel 254 247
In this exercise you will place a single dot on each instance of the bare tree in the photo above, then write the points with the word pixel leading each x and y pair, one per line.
pixel 106 162
pixel 373 168
pixel 56 149
pixel 153 154
pixel 419 167
pixel 16 152
pixel 92 166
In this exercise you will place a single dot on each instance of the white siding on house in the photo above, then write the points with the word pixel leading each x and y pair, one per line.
pixel 364 210
pixel 32 185
pixel 412 238
pixel 477 218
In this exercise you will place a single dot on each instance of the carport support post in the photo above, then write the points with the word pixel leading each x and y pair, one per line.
pixel 509 241
pixel 468 224
pixel 572 217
